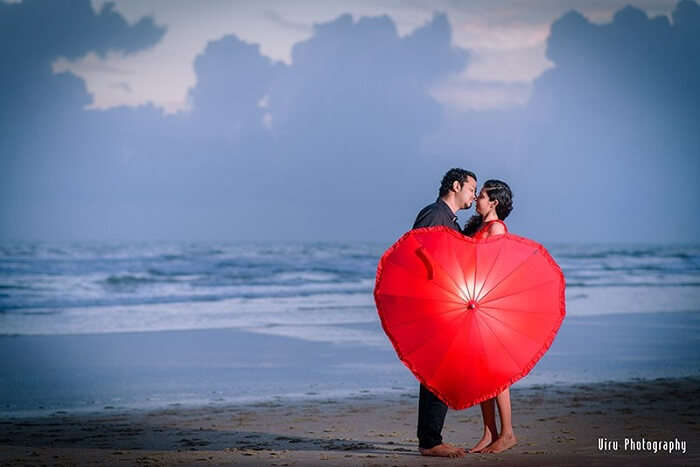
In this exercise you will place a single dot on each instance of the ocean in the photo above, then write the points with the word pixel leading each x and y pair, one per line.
pixel 298 290
pixel 632 312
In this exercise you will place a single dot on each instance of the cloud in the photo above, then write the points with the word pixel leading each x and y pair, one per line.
pixel 506 38
pixel 232 78
pixel 89 63
pixel 354 101
pixel 347 140
pixel 363 70
pixel 606 146
pixel 631 73
pixel 621 109
pixel 41 113
pixel 69 29
pixel 33 34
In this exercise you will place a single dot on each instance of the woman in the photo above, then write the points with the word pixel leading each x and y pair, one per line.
pixel 493 205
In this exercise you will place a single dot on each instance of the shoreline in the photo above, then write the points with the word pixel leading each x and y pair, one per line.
pixel 389 395
pixel 150 370
pixel 555 425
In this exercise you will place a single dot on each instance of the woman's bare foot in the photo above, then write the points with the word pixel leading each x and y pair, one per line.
pixel 483 442
pixel 443 450
pixel 505 441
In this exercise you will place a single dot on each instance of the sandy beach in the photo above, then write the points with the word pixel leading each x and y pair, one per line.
pixel 555 425
pixel 227 396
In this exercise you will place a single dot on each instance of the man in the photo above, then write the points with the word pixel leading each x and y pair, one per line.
pixel 457 191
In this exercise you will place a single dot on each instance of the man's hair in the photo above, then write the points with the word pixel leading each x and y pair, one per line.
pixel 454 175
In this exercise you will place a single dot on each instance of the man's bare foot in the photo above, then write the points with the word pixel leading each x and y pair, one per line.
pixel 505 441
pixel 483 442
pixel 443 450
pixel 452 446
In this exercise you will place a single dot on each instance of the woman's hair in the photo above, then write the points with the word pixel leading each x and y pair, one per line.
pixel 497 191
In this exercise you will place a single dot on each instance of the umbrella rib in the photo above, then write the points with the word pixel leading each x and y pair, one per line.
pixel 510 310
pixel 449 346
pixel 445 272
pixel 490 269
pixel 420 298
pixel 433 336
pixel 477 329
pixel 452 310
pixel 476 254
pixel 459 265
pixel 509 326
pixel 517 365
pixel 429 282
pixel 506 276
pixel 516 293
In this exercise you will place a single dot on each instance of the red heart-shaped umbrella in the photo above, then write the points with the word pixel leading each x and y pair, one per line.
pixel 468 317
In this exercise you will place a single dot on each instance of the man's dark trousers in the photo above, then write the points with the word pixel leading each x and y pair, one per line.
pixel 431 417
pixel 431 410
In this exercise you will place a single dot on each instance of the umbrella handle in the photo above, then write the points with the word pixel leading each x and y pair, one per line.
pixel 423 255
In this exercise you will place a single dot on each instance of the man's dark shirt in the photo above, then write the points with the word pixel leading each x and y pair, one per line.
pixel 438 213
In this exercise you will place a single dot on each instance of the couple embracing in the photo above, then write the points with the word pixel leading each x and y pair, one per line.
pixel 458 190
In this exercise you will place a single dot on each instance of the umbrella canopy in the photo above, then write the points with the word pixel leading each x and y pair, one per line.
pixel 468 317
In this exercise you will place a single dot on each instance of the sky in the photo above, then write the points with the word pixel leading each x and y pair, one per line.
pixel 323 120
pixel 506 40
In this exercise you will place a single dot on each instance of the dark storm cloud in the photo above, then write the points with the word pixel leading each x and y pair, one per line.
pixel 633 61
pixel 349 112
pixel 33 34
pixel 232 79
pixel 44 129
pixel 621 110
pixel 607 147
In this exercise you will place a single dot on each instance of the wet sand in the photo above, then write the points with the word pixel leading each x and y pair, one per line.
pixel 554 424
